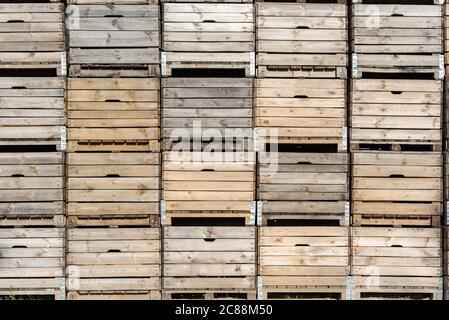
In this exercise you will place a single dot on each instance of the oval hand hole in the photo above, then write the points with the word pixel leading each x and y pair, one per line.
pixel 397 176
pixel 114 250
pixel 18 87
pixel 113 175
pixel 19 247
pixel 207 170
pixel 209 21
pixel 300 97
pixel 16 21
pixel 304 162
pixel 397 15
pixel 17 175
pixel 302 27
pixel 113 16
pixel 302 245
pixel 396 246
pixel 396 92
pixel 209 239
pixel 113 100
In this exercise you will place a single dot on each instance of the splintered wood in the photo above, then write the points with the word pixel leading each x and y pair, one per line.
pixel 113 263
pixel 303 262
pixel 113 40
pixel 302 40
pixel 209 262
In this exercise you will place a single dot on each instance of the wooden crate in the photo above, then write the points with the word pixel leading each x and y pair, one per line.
pixel 302 111
pixel 303 262
pixel 32 37
pixel 113 263
pixel 209 262
pixel 398 114
pixel 304 186
pixel 32 262
pixel 195 188
pixel 302 40
pixel 397 188
pixel 396 263
pixel 113 114
pixel 113 189
pixel 114 40
pixel 192 107
pixel 400 39
pixel 32 189
pixel 208 36
pixel 31 111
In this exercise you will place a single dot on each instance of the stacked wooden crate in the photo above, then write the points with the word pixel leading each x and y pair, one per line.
pixel 113 160
pixel 303 164
pixel 32 144
pixel 396 142
pixel 208 206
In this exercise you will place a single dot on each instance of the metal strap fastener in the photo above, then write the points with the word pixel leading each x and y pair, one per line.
pixel 63 63
pixel 63 138
pixel 163 218
pixel 259 213
pixel 163 63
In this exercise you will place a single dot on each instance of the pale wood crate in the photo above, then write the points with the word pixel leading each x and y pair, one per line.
pixel 397 188
pixel 301 111
pixel 196 187
pixel 113 189
pixel 114 40
pixel 32 189
pixel 302 40
pixel 303 262
pixel 400 39
pixel 31 111
pixel 218 104
pixel 304 186
pixel 399 114
pixel 396 263
pixel 32 262
pixel 208 36
pixel 113 263
pixel 209 262
pixel 32 36
pixel 113 114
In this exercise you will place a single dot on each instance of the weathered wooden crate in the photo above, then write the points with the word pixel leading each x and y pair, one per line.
pixel 113 263
pixel 200 188
pixel 32 37
pixel 400 39
pixel 396 114
pixel 397 263
pixel 32 189
pixel 397 188
pixel 193 108
pixel 304 186
pixel 208 36
pixel 113 189
pixel 303 262
pixel 32 262
pixel 209 263
pixel 113 114
pixel 302 40
pixel 114 40
pixel 31 111
pixel 302 111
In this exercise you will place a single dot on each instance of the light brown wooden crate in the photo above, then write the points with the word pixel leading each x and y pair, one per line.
pixel 302 40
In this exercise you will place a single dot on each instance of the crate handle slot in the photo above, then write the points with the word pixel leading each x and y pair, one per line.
pixel 209 239
pixel 17 175
pixel 112 175
pixel 15 21
pixel 114 250
pixel 304 163
pixel 209 21
pixel 397 246
pixel 397 15
pixel 113 16
pixel 19 247
pixel 299 96
pixel 396 92
pixel 18 87
pixel 207 170
pixel 113 100
pixel 302 245
pixel 397 176
pixel 302 27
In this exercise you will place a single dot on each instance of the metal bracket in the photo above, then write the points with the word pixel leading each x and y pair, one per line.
pixel 163 63
pixel 252 64
pixel 347 214
pixel 447 213
pixel 259 288
pixel 63 63
pixel 163 218
pixel 259 213
pixel 344 139
pixel 441 66
pixel 62 289
pixel 350 288
pixel 440 289
pixel 354 64
pixel 252 217
pixel 256 139
pixel 63 138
